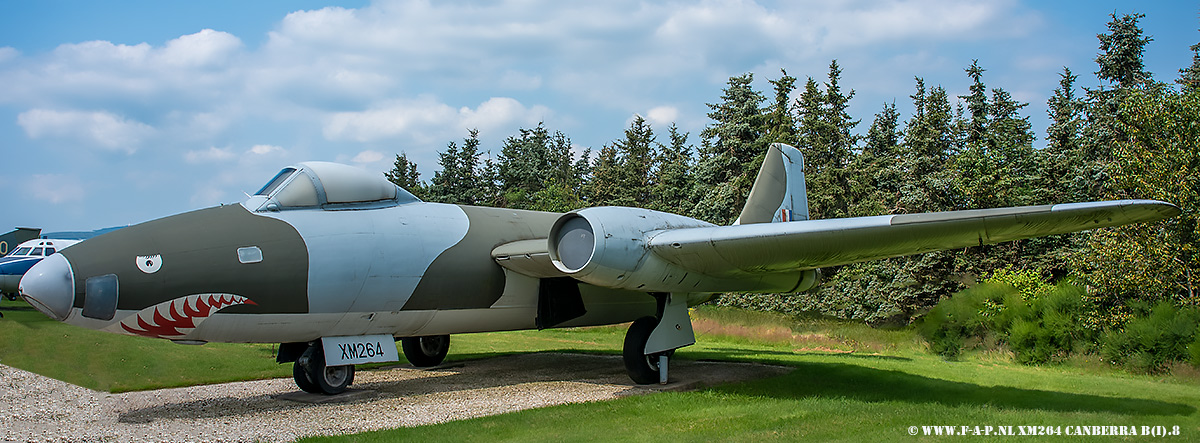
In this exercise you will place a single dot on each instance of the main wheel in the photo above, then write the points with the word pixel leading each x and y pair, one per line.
pixel 642 368
pixel 326 379
pixel 300 375
pixel 424 352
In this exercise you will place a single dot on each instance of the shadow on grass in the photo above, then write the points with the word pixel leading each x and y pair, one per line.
pixel 754 355
pixel 838 380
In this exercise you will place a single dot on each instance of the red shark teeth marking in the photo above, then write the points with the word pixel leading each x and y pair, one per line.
pixel 176 318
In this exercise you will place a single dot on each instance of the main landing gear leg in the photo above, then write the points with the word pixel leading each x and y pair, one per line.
pixel 651 341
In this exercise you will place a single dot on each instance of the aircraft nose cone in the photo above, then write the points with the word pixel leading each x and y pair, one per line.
pixel 50 287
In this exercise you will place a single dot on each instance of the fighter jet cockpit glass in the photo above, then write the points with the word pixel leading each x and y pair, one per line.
pixel 330 186
pixel 275 182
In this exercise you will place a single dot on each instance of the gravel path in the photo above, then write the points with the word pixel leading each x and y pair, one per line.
pixel 36 409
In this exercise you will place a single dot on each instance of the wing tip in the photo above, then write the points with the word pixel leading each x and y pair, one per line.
pixel 1150 210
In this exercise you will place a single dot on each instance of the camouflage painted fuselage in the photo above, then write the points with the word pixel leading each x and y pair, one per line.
pixel 227 274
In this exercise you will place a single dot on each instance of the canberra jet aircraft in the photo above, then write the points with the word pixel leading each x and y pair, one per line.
pixel 336 264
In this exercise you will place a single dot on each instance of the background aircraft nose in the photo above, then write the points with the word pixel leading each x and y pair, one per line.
pixel 50 287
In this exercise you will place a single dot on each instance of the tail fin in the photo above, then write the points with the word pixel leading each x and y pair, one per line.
pixel 779 193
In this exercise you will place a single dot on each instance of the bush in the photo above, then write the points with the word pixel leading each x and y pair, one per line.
pixel 1039 326
pixel 1028 282
pixel 1049 327
pixel 960 318
pixel 1154 338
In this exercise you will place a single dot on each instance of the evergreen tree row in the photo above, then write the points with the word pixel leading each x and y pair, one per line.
pixel 1130 137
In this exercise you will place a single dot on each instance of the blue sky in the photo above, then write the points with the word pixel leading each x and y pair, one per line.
pixel 117 113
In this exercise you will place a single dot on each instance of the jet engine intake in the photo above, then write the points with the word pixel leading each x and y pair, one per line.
pixel 607 246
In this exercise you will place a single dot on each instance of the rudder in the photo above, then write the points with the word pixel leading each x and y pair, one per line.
pixel 779 192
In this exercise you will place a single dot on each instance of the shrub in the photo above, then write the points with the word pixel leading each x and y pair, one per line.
pixel 955 320
pixel 1049 327
pixel 1154 338
pixel 1027 281
pixel 1040 326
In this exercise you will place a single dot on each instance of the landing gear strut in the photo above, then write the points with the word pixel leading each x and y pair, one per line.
pixel 652 341
pixel 312 375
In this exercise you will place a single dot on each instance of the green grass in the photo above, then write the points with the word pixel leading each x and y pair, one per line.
pixel 119 363
pixel 850 382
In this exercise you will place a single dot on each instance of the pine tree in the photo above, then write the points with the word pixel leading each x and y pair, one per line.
pixel 977 105
pixel 460 180
pixel 533 161
pixel 673 180
pixel 1120 59
pixel 636 162
pixel 779 121
pixel 825 133
pixel 928 185
pixel 1189 77
pixel 603 187
pixel 404 174
pixel 729 148
pixel 873 169
pixel 1058 178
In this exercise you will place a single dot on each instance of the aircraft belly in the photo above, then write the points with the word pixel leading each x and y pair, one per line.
pixel 265 328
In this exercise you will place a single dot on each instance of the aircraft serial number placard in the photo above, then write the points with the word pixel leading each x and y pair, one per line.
pixel 359 349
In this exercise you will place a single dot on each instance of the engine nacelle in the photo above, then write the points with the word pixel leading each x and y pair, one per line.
pixel 606 246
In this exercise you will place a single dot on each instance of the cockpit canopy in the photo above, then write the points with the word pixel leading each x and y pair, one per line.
pixel 40 247
pixel 328 186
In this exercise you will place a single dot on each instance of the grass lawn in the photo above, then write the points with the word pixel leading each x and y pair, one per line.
pixel 850 382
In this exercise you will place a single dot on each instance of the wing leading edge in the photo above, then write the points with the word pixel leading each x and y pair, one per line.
pixel 782 247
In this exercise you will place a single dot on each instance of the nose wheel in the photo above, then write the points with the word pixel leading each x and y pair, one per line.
pixel 312 375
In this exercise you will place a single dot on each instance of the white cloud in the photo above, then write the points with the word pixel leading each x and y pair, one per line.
pixel 344 84
pixel 265 150
pixel 212 154
pixel 204 48
pixel 8 53
pixel 426 120
pixel 662 115
pixel 368 157
pixel 99 128
pixel 55 188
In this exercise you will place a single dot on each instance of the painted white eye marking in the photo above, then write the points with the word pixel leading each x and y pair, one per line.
pixel 149 263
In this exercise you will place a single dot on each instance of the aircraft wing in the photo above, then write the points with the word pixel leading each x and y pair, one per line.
pixel 781 247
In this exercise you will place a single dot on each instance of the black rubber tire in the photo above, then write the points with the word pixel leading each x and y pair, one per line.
pixel 300 375
pixel 328 379
pixel 642 368
pixel 427 351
